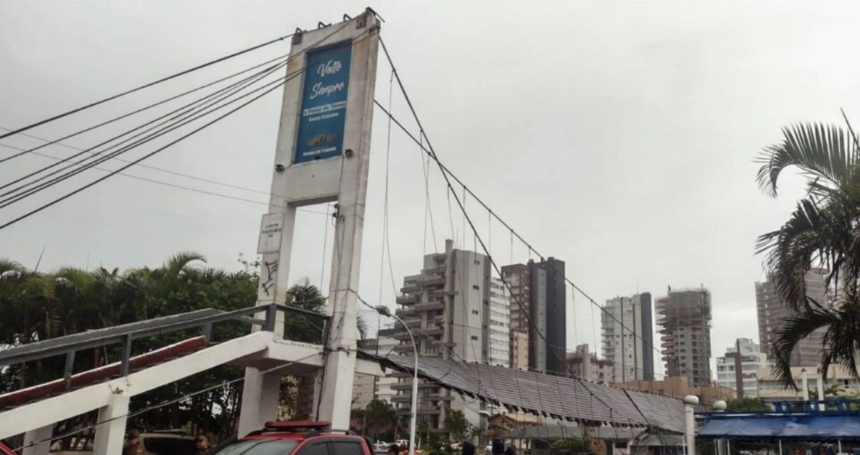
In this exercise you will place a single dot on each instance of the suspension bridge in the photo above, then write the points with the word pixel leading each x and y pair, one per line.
pixel 328 82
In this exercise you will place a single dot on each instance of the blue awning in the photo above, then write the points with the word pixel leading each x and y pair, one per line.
pixel 796 428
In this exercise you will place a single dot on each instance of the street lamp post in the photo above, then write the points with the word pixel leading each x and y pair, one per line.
pixel 383 310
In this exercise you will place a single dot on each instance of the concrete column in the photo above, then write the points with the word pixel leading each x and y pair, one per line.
pixel 37 435
pixel 110 435
pixel 260 394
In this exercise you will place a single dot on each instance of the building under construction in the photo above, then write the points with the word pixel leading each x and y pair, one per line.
pixel 684 318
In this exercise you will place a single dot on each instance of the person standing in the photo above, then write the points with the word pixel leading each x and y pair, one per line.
pixel 132 445
pixel 468 447
pixel 202 444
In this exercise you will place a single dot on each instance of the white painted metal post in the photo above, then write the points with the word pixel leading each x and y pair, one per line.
pixel 780 447
pixel 804 383
pixel 110 435
pixel 820 389
pixel 316 179
pixel 690 402
pixel 35 436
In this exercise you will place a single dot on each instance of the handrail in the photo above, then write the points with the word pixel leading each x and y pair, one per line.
pixel 125 334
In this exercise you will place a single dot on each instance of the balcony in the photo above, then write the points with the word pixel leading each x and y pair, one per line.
pixel 432 331
pixel 406 312
pixel 421 410
pixel 406 299
pixel 410 288
pixel 413 322
pixel 408 385
pixel 429 306
pixel 431 397
pixel 433 280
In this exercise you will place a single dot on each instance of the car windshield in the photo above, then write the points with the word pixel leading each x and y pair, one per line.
pixel 169 446
pixel 260 447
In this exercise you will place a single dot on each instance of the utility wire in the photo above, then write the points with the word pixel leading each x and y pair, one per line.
pixel 144 166
pixel 160 122
pixel 447 172
pixel 128 92
pixel 13 199
pixel 173 185
pixel 60 199
pixel 459 202
pixel 115 119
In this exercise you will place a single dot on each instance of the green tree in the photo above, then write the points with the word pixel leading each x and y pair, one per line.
pixel 746 404
pixel 37 306
pixel 823 231
pixel 458 427
pixel 381 418
pixel 300 327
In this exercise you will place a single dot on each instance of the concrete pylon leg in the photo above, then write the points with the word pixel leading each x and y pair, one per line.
pixel 337 389
pixel 260 394
pixel 35 436
pixel 110 434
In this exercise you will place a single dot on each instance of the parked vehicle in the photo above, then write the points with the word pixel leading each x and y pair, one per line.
pixel 298 438
pixel 381 446
pixel 156 443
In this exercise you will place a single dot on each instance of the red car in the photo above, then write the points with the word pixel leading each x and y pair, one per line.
pixel 298 438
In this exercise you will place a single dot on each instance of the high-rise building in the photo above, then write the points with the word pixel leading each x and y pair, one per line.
pixel 519 349
pixel 772 313
pixel 751 359
pixel 626 330
pixel 586 365
pixel 540 294
pixel 519 280
pixel 684 317
pixel 457 309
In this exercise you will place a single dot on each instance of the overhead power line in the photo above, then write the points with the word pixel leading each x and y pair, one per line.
pixel 137 111
pixel 173 116
pixel 23 195
pixel 159 81
pixel 111 174
pixel 280 82
pixel 173 185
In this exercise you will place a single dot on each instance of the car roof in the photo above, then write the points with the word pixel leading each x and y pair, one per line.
pixel 300 436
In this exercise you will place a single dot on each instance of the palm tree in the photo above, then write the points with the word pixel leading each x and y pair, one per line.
pixel 821 232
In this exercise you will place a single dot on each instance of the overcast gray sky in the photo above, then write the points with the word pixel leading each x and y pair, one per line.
pixel 619 137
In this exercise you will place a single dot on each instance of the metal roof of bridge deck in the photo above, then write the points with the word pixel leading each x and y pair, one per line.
pixel 556 396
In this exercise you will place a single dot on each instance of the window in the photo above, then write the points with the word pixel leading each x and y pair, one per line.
pixel 346 448
pixel 474 311
pixel 270 447
pixel 316 448
pixel 168 445
pixel 475 286
pixel 474 337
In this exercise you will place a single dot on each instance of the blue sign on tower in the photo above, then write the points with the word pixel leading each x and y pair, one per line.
pixel 323 112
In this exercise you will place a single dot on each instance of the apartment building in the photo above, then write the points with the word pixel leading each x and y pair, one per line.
pixel 684 320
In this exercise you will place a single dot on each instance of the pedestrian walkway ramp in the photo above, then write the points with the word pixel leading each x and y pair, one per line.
pixel 192 350
pixel 78 392
pixel 560 397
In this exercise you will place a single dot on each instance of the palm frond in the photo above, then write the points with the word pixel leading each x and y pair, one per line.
pixel 177 263
pixel 793 330
pixel 825 153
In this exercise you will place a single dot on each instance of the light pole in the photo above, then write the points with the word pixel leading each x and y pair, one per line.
pixel 383 310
